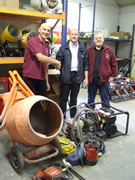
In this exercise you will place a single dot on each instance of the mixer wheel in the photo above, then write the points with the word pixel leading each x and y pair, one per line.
pixel 16 159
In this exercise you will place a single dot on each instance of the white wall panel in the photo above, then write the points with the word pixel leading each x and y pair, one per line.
pixel 126 21
pixel 127 18
pixel 106 16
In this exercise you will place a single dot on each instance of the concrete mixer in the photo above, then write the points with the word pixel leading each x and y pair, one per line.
pixel 32 122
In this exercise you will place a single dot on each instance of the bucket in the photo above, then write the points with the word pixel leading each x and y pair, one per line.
pixel 35 120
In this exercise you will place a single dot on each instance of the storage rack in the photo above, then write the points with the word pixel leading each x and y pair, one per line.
pixel 117 41
pixel 122 61
pixel 34 17
pixel 93 23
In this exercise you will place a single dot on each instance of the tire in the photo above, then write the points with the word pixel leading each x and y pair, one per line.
pixel 16 159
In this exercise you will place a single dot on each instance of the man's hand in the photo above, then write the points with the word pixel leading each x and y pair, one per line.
pixel 111 79
pixel 85 83
pixel 58 64
pixel 48 87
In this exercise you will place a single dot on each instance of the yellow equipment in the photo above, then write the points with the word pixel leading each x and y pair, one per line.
pixel 68 38
pixel 9 41
pixel 24 39
pixel 55 37
pixel 66 145
pixel 12 33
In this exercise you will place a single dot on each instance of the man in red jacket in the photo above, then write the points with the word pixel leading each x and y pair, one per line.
pixel 102 70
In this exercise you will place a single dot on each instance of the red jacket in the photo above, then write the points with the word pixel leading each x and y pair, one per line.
pixel 108 65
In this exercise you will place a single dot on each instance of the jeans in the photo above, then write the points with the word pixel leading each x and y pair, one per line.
pixel 103 92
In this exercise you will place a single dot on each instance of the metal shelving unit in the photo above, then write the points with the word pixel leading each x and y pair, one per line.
pixel 93 23
pixel 117 41
pixel 10 60
pixel 33 17
pixel 123 61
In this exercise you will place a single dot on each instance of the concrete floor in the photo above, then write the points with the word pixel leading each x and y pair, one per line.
pixel 116 164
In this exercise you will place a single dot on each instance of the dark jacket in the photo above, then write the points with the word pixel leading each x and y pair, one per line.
pixel 108 65
pixel 64 55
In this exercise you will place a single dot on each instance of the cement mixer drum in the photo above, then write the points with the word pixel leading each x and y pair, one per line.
pixel 35 120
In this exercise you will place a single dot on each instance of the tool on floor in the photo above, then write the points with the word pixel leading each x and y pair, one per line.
pixel 87 152
pixel 68 166
pixel 91 156
pixel 99 122
pixel 54 171
pixel 48 173
pixel 108 117
pixel 121 87
pixel 32 122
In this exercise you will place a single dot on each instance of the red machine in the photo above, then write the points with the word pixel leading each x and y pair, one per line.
pixel 91 156
pixel 47 174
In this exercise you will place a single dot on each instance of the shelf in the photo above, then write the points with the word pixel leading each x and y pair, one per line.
pixel 12 60
pixel 122 58
pixel 117 40
pixel 81 38
pixel 107 39
pixel 27 16
pixel 30 16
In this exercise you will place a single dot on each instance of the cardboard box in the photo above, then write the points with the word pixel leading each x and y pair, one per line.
pixel 54 92
pixel 9 4
pixel 54 83
pixel 122 35
pixel 55 98
pixel 127 36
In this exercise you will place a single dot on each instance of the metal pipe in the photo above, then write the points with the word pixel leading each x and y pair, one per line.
pixel 64 27
pixel 79 17
pixel 93 25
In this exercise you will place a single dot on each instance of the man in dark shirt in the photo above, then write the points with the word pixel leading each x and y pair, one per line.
pixel 102 70
pixel 35 67
pixel 96 77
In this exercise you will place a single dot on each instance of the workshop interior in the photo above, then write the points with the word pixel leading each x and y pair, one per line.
pixel 37 140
